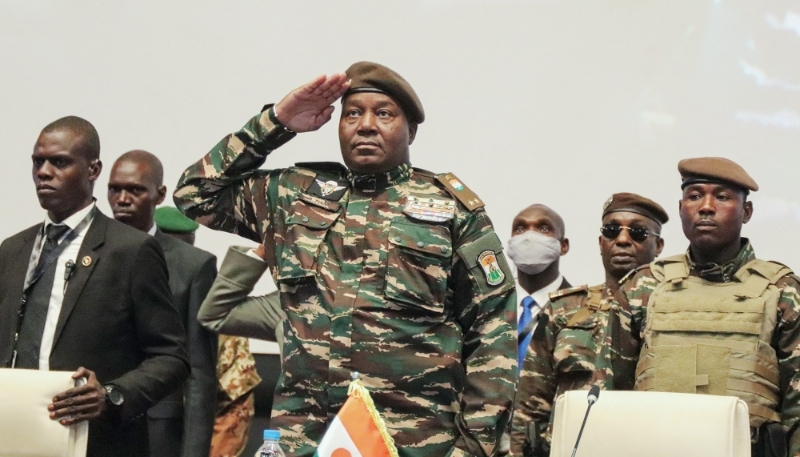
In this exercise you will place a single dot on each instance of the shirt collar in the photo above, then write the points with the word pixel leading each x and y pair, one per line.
pixel 715 272
pixel 71 221
pixel 541 296
pixel 379 181
pixel 152 231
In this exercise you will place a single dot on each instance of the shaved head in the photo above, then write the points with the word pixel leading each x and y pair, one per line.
pixel 88 144
pixel 135 188
pixel 538 209
pixel 151 162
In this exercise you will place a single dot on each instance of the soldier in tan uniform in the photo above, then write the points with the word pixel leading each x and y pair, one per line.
pixel 569 349
pixel 716 320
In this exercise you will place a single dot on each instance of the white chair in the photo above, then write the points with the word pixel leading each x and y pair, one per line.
pixel 652 424
pixel 26 429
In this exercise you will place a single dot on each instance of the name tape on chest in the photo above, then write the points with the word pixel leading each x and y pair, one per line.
pixel 429 209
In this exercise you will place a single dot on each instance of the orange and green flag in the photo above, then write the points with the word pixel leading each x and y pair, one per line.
pixel 357 430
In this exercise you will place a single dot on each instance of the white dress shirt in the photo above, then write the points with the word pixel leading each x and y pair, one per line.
pixel 541 296
pixel 57 294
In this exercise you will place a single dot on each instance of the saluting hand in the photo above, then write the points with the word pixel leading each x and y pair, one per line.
pixel 80 403
pixel 309 107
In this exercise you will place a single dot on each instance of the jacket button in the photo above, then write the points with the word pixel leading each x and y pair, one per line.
pixel 421 244
pixel 323 224
pixel 305 218
pixel 444 248
pixel 397 239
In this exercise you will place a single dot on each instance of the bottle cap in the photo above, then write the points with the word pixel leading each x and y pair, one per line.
pixel 273 435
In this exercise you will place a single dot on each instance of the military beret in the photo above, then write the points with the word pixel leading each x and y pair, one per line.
pixel 715 170
pixel 635 204
pixel 374 77
pixel 170 219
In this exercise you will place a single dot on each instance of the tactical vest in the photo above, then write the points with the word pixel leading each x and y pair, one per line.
pixel 714 338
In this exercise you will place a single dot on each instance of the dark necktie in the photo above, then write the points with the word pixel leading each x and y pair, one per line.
pixel 37 302
pixel 527 315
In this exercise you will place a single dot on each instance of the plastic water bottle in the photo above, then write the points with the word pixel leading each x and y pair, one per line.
pixel 271 446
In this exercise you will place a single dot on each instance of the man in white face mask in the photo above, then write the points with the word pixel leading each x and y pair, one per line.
pixel 536 245
pixel 569 349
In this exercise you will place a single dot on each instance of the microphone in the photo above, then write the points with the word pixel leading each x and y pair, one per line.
pixel 594 394
pixel 69 269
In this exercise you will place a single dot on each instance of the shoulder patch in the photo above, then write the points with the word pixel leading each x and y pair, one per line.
pixel 463 193
pixel 494 274
pixel 564 292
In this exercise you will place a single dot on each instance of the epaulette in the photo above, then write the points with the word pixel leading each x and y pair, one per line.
pixel 461 192
pixel 571 291
pixel 324 167
pixel 633 272
pixel 783 265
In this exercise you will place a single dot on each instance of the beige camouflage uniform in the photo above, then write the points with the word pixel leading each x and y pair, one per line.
pixel 236 372
pixel 421 303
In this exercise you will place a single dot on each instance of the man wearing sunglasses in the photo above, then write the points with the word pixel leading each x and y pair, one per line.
pixel 569 347
pixel 717 308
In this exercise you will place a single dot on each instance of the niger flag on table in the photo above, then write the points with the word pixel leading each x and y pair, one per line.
pixel 357 430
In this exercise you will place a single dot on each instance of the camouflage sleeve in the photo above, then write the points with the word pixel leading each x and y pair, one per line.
pixel 625 323
pixel 485 297
pixel 225 190
pixel 787 339
pixel 536 388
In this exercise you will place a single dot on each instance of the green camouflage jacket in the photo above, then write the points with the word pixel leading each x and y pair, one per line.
pixel 569 353
pixel 389 275
pixel 629 317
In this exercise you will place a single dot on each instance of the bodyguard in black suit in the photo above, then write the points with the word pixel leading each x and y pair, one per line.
pixel 181 424
pixel 100 303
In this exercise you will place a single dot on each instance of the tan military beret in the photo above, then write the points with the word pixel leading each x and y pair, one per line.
pixel 374 77
pixel 635 204
pixel 715 170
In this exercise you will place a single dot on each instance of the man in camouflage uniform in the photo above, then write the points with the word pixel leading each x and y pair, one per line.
pixel 716 320
pixel 237 375
pixel 568 350
pixel 383 269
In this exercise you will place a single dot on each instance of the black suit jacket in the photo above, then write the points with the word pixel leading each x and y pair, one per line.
pixel 191 273
pixel 117 319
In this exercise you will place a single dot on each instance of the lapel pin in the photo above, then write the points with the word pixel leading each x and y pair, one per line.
pixel 86 261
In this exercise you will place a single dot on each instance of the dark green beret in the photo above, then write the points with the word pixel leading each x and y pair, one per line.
pixel 374 77
pixel 715 170
pixel 170 219
pixel 633 203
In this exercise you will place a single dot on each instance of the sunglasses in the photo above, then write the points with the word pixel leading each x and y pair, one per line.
pixel 637 234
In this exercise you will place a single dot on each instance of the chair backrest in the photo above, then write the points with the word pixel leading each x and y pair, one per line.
pixel 25 426
pixel 653 424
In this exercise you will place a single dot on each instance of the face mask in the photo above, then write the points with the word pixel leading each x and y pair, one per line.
pixel 532 252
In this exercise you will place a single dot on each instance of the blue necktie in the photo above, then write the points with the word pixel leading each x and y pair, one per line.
pixel 527 305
